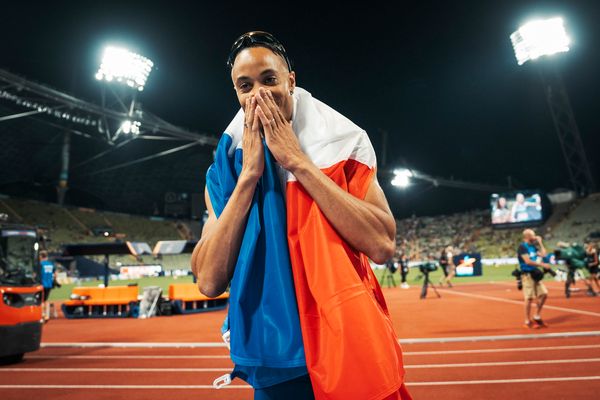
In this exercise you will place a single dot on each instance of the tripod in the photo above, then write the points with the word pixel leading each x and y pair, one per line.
pixel 388 278
pixel 426 284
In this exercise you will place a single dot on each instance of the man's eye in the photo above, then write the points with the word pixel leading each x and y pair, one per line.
pixel 244 87
pixel 271 80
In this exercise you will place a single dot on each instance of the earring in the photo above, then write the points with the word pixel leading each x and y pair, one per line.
pixel 291 92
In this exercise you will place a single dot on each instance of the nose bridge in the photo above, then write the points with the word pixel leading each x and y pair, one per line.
pixel 256 87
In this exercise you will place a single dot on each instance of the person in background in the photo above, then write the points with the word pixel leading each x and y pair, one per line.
pixel 448 267
pixel 403 266
pixel 48 279
pixel 528 253
pixel 501 213
pixel 592 266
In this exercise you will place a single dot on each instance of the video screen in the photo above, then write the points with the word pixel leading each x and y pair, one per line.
pixel 520 208
pixel 468 264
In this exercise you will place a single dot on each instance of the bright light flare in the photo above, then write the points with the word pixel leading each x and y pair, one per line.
pixel 540 38
pixel 402 178
pixel 128 127
pixel 124 66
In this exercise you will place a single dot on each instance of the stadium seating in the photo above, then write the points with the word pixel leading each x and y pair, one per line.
pixel 187 299
pixel 101 302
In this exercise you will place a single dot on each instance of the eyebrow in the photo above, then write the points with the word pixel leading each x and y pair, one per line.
pixel 265 72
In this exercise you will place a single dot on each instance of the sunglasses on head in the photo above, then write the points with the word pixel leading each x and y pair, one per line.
pixel 257 39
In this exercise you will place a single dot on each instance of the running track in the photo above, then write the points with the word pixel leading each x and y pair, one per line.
pixel 449 357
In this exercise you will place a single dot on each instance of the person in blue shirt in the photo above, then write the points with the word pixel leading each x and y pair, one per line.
pixel 529 254
pixel 48 274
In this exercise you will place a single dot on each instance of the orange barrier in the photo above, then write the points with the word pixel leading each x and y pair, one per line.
pixel 113 301
pixel 186 298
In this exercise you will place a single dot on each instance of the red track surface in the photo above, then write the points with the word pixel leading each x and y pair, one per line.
pixel 557 368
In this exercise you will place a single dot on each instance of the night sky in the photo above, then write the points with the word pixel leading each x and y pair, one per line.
pixel 439 77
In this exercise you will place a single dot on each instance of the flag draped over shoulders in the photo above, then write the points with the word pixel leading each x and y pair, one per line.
pixel 347 340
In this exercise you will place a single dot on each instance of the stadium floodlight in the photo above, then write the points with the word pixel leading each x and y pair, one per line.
pixel 123 66
pixel 540 38
pixel 128 126
pixel 402 177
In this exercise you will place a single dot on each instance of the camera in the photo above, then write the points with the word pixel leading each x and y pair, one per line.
pixel 428 267
pixel 574 256
pixel 517 274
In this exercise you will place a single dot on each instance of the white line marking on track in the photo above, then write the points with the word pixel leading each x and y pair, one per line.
pixel 502 363
pixel 118 387
pixel 408 366
pixel 493 298
pixel 124 357
pixel 491 381
pixel 502 350
pixel 500 337
pixel 142 345
pixel 170 387
pixel 168 345
pixel 52 369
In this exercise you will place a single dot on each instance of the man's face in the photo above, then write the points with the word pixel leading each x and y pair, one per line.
pixel 529 236
pixel 257 67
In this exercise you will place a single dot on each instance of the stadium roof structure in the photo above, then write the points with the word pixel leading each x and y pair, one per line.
pixel 130 175
pixel 80 116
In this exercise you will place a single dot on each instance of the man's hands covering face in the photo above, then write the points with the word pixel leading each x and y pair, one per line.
pixel 253 162
pixel 279 135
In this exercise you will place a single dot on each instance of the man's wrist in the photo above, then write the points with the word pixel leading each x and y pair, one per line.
pixel 247 181
pixel 299 164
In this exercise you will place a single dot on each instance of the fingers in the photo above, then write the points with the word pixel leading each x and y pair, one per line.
pixel 265 108
pixel 256 124
pixel 249 112
pixel 277 111
pixel 266 121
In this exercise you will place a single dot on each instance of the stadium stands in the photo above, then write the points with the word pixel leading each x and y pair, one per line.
pixel 472 231
pixel 421 236
pixel 62 225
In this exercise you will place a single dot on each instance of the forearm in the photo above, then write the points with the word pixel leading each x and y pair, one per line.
pixel 364 226
pixel 215 255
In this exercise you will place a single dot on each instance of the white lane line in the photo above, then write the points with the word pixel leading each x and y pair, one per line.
pixel 124 357
pixel 143 345
pixel 528 336
pixel 171 387
pixel 128 357
pixel 502 350
pixel 407 366
pixel 492 381
pixel 52 369
pixel 169 345
pixel 119 387
pixel 501 363
pixel 500 299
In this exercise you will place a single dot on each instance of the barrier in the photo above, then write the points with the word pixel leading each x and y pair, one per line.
pixel 102 302
pixel 187 299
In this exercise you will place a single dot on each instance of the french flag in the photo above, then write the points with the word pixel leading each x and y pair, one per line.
pixel 292 258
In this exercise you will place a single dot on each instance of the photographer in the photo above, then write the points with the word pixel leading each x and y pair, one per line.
pixel 448 268
pixel 591 253
pixel 533 288
pixel 403 266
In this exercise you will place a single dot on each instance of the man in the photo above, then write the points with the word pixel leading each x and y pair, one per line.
pixel 48 278
pixel 448 267
pixel 593 264
pixel 533 289
pixel 288 165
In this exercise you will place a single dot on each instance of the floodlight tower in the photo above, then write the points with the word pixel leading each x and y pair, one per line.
pixel 131 70
pixel 537 39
